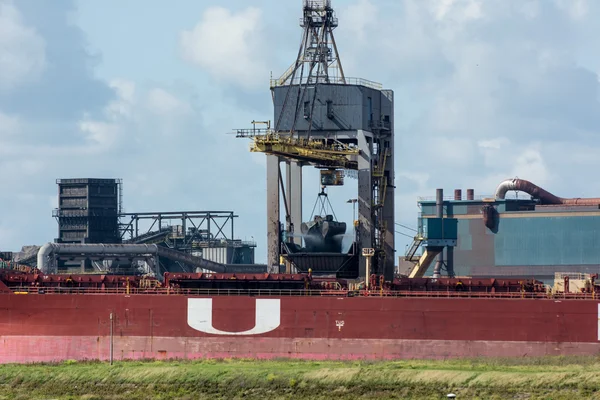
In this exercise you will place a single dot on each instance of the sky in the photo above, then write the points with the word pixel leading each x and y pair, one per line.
pixel 148 91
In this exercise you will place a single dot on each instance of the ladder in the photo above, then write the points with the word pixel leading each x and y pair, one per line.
pixel 410 254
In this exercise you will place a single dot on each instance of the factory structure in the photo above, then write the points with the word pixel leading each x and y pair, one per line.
pixel 531 235
pixel 344 127
pixel 96 236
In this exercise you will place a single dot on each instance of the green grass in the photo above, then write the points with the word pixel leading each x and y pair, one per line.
pixel 524 378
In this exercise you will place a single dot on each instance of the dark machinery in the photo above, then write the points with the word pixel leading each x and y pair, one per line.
pixel 323 251
pixel 323 234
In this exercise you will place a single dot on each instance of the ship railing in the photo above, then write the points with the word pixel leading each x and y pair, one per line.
pixel 571 275
pixel 299 293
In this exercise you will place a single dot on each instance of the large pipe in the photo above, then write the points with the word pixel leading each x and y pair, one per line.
pixel 439 202
pixel 43 257
pixel 539 193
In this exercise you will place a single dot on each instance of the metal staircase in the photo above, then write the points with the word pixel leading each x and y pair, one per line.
pixel 412 251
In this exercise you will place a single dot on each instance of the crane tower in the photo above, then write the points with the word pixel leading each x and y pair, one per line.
pixel 338 124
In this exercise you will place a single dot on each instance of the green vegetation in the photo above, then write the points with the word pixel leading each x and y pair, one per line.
pixel 524 378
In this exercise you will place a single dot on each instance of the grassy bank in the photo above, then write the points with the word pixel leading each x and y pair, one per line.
pixel 527 378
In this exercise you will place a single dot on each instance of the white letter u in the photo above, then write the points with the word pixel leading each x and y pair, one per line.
pixel 268 313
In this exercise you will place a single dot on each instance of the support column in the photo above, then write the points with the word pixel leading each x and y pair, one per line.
pixel 296 200
pixel 388 214
pixel 439 204
pixel 389 208
pixel 365 199
pixel 272 213
pixel 288 198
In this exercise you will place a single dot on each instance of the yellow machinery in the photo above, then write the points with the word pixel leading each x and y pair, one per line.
pixel 321 152
pixel 424 262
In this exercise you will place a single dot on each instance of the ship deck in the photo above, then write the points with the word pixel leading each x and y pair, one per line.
pixel 297 293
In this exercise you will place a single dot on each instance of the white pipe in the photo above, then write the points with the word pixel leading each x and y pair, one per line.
pixel 504 187
pixel 42 257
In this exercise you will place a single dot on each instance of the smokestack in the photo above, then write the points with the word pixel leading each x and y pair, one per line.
pixel 470 194
pixel 439 203
pixel 457 194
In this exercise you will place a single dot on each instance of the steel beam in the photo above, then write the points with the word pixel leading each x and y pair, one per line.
pixel 288 197
pixel 296 199
pixel 389 207
pixel 365 197
pixel 273 213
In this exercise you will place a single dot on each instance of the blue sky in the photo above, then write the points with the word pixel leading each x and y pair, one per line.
pixel 147 90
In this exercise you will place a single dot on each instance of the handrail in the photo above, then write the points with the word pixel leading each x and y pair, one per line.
pixel 332 80
pixel 34 290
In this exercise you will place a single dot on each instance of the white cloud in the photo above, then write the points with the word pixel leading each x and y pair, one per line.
pixel 358 17
pixel 456 10
pixel 530 165
pixel 122 105
pixel 102 134
pixel 495 144
pixel 230 46
pixel 577 9
pixel 22 50
pixel 9 126
pixel 530 8
pixel 165 104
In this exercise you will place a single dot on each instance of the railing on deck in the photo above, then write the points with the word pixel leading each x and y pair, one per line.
pixel 332 80
pixel 302 293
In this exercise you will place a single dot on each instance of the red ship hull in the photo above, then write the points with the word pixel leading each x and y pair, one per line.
pixel 36 328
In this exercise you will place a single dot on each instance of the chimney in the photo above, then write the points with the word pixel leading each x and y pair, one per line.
pixel 470 194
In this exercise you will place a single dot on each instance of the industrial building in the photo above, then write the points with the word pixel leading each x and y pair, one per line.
pixel 532 237
pixel 88 210
pixel 96 236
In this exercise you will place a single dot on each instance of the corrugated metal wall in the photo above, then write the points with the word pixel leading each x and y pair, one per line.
pixel 220 255
pixel 548 241
pixel 349 105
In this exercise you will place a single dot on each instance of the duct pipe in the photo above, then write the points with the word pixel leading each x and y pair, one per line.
pixel 105 248
pixel 541 194
pixel 43 257
pixel 439 202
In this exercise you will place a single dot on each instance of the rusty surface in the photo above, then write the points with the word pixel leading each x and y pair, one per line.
pixel 27 349
pixel 59 327
pixel 486 285
pixel 13 278
pixel 297 284
pixel 537 192
pixel 470 194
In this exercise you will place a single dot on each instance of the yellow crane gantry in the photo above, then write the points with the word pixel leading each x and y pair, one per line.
pixel 322 152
